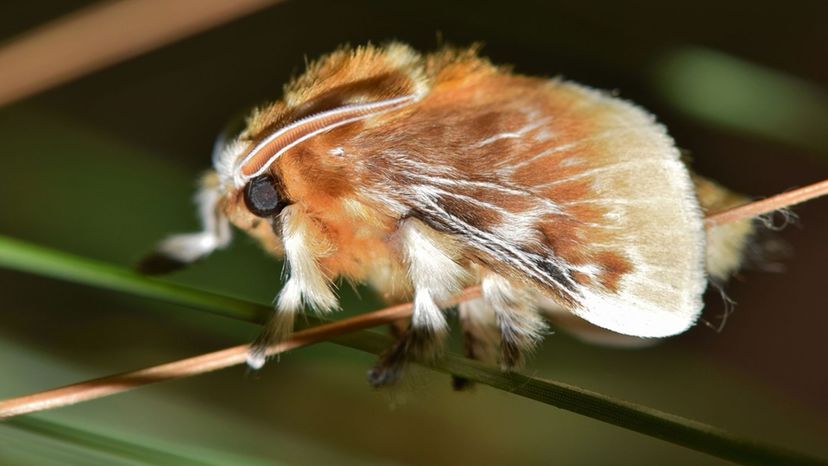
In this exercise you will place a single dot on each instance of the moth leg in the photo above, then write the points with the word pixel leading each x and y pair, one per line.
pixel 398 328
pixel 422 341
pixel 178 251
pixel 521 326
pixel 481 338
pixel 431 258
pixel 307 284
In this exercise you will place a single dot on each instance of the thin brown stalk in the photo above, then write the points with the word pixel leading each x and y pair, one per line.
pixel 780 201
pixel 110 385
pixel 103 34
pixel 119 383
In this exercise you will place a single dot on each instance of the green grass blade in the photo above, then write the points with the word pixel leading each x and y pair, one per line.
pixel 19 255
pixel 101 443
pixel 675 429
pixel 38 260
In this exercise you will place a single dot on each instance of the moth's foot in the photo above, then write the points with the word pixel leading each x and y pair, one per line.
pixel 511 354
pixel 391 364
pixel 461 384
pixel 256 358
pixel 159 263
pixel 417 344
pixel 278 329
pixel 383 375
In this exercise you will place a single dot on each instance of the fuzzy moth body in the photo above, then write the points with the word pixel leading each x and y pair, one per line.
pixel 422 174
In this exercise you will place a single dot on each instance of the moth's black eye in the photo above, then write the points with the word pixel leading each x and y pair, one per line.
pixel 262 197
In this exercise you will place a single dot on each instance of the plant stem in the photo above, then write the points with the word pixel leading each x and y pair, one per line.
pixel 86 40
pixel 201 364
pixel 764 206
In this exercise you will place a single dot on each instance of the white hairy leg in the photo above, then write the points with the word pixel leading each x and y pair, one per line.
pixel 306 285
pixel 481 336
pixel 521 326
pixel 180 250
pixel 431 260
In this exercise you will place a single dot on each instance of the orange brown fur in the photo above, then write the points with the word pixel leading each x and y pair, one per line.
pixel 468 100
pixel 420 174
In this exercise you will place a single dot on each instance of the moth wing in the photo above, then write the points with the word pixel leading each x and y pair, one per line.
pixel 562 319
pixel 600 216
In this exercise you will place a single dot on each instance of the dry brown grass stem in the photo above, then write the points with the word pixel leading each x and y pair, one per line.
pixel 209 362
pixel 103 34
pixel 773 203
pixel 110 385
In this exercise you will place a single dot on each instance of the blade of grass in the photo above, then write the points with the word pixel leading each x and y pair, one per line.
pixel 671 428
pixel 22 256
pixel 102 443
pixel 38 260
pixel 95 37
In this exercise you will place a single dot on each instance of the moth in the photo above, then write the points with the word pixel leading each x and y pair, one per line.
pixel 420 175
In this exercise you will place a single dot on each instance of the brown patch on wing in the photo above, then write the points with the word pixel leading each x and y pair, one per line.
pixel 560 237
pixel 582 278
pixel 580 244
pixel 475 215
pixel 613 267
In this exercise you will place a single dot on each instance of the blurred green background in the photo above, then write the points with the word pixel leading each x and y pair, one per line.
pixel 106 165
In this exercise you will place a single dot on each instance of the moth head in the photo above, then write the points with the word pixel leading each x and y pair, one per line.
pixel 299 149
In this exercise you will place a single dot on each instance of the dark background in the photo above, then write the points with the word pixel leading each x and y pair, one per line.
pixel 105 165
